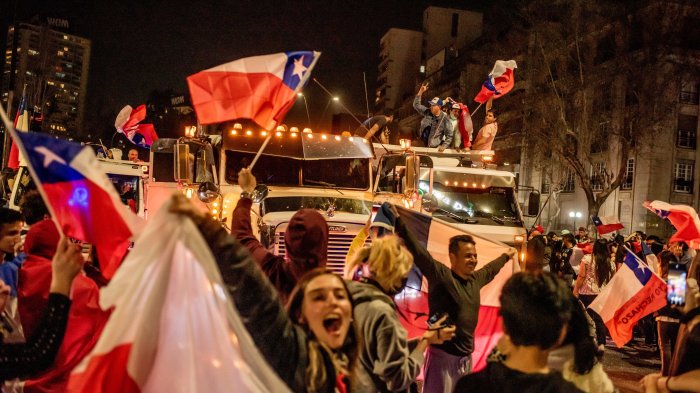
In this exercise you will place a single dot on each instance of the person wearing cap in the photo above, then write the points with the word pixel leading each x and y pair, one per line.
pixel 453 117
pixel 305 240
pixel 435 127
pixel 382 224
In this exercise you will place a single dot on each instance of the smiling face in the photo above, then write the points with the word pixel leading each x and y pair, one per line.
pixel 327 310
pixel 490 118
pixel 435 110
pixel 464 262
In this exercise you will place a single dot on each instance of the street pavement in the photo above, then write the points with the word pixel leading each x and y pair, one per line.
pixel 627 365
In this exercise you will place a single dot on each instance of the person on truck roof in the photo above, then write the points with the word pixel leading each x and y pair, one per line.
pixel 134 155
pixel 305 240
pixel 435 128
pixel 376 125
pixel 487 133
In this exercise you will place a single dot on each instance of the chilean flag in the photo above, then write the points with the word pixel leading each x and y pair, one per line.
pixel 260 88
pixel 434 235
pixel 683 217
pixel 606 224
pixel 21 124
pixel 81 197
pixel 127 123
pixel 500 81
pixel 173 327
pixel 633 292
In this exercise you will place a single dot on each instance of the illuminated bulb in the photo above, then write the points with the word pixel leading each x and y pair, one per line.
pixel 280 128
pixel 294 134
pixel 324 137
pixel 351 139
pixel 278 134
pixel 264 133
pixel 294 129
pixel 364 140
pixel 237 126
pixel 214 211
pixel 188 193
pixel 234 132
pixel 311 136
pixel 307 130
pixel 473 184
pixel 249 132
pixel 483 186
pixel 464 184
pixel 215 204
pixel 337 138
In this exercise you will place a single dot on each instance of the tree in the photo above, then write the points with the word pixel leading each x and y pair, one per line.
pixel 603 78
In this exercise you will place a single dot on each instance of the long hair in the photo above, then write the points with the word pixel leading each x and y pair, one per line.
pixel 343 360
pixel 579 335
pixel 665 259
pixel 388 261
pixel 601 257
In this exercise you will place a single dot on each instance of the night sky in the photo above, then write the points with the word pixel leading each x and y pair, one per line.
pixel 141 46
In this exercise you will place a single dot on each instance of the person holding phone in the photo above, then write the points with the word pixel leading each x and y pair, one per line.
pixel 668 318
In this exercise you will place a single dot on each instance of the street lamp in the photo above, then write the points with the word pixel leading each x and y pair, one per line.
pixel 306 104
pixel 575 215
pixel 323 114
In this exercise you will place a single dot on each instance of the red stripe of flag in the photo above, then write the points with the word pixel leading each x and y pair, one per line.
pixel 107 374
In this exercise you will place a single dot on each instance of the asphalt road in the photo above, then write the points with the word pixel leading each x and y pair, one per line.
pixel 627 365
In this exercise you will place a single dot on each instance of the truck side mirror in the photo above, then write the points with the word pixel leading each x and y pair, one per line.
pixel 259 193
pixel 184 161
pixel 533 203
pixel 429 203
pixel 208 192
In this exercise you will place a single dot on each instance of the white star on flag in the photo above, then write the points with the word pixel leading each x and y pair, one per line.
pixel 49 156
pixel 641 265
pixel 299 68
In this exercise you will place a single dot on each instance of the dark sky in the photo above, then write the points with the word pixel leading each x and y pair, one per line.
pixel 139 46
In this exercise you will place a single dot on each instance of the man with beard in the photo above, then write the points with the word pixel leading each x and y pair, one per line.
pixel 487 133
pixel 452 291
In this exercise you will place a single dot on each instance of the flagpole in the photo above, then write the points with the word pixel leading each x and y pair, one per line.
pixel 40 187
pixel 264 145
pixel 477 108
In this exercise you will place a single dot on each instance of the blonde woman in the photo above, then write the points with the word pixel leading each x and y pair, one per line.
pixel 388 362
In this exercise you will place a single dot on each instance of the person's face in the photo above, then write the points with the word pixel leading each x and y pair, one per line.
pixel 581 233
pixel 454 113
pixel 490 118
pixel 465 261
pixel 327 310
pixel 435 110
pixel 10 236
pixel 677 249
pixel 133 155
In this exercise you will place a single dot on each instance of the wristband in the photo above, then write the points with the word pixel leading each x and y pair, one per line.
pixel 245 194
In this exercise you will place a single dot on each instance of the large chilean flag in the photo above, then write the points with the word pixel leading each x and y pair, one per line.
pixel 260 88
pixel 81 197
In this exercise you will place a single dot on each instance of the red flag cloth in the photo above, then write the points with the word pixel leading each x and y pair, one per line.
pixel 260 88
pixel 683 217
pixel 21 124
pixel 81 197
pixel 136 116
pixel 606 225
pixel 633 292
pixel 85 320
pixel 500 81
pixel 127 123
pixel 466 126
pixel 586 247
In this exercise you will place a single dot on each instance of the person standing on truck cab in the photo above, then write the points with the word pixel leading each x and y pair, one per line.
pixel 435 126
pixel 487 133
pixel 453 291
pixel 134 155
pixel 305 240
pixel 374 126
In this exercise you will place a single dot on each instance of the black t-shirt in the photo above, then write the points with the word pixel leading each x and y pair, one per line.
pixel 499 378
pixel 369 123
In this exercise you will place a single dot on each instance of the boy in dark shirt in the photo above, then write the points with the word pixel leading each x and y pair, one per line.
pixel 536 308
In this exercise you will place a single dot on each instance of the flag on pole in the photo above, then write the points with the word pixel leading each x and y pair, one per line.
pixel 81 197
pixel 260 88
pixel 633 292
pixel 174 328
pixel 606 224
pixel 435 234
pixel 683 217
pixel 465 124
pixel 499 82
pixel 127 123
pixel 21 124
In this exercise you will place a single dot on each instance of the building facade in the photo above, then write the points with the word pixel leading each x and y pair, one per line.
pixel 53 65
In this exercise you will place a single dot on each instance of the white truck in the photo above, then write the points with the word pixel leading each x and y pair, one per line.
pixel 338 175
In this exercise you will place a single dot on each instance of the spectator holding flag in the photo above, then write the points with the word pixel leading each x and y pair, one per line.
pixel 487 133
pixel 595 272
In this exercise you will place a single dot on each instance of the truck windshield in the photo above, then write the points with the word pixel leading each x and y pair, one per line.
pixel 346 173
pixel 481 206
pixel 291 204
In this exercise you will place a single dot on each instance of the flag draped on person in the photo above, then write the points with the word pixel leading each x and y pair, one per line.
pixel 21 124
pixel 80 196
pixel 634 292
pixel 465 124
pixel 606 224
pixel 435 234
pixel 683 217
pixel 499 82
pixel 260 88
pixel 128 123
pixel 173 327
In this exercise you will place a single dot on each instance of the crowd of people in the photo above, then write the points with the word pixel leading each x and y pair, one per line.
pixel 325 333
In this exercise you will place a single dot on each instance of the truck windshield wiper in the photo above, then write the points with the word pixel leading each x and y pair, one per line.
pixel 324 184
pixel 463 220
pixel 490 216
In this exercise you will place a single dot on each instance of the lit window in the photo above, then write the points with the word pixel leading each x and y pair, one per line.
pixel 683 177
pixel 628 180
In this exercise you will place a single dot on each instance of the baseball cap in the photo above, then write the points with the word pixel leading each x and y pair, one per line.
pixel 436 101
pixel 455 106
pixel 565 232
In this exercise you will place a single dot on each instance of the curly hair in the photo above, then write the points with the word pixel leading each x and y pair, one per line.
pixel 388 260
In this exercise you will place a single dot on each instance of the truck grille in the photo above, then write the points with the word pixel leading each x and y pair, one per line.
pixel 338 246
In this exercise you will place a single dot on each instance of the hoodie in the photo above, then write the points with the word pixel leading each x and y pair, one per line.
pixel 306 242
pixel 387 363
pixel 85 319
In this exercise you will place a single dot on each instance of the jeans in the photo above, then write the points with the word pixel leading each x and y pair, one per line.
pixel 442 370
